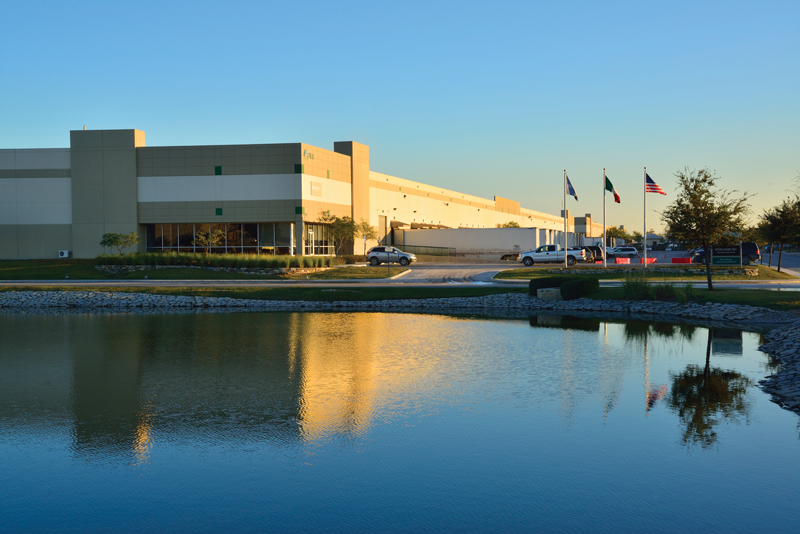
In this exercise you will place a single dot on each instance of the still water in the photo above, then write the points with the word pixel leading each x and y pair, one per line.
pixel 387 422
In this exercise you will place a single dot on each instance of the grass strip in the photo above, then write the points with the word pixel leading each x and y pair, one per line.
pixel 321 294
pixel 764 273
pixel 84 270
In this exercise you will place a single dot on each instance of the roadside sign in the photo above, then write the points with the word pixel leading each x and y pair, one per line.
pixel 725 260
pixel 725 251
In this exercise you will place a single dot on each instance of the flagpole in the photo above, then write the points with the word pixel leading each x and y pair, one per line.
pixel 565 218
pixel 604 220
pixel 644 239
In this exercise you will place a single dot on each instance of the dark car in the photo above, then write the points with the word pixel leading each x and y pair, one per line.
pixel 750 254
pixel 597 252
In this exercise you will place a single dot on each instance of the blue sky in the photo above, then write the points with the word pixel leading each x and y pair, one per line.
pixel 485 98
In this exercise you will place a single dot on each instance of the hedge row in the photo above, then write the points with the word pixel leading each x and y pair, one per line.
pixel 576 289
pixel 571 287
pixel 253 261
pixel 547 283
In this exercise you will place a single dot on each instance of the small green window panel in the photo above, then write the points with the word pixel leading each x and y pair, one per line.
pixel 329 174
pixel 299 210
pixel 219 210
pixel 218 172
pixel 299 168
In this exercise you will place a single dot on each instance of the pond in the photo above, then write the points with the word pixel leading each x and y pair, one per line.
pixel 356 422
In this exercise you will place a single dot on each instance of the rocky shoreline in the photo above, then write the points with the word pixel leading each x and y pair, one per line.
pixel 783 337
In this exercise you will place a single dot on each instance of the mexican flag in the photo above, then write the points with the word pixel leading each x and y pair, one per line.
pixel 610 187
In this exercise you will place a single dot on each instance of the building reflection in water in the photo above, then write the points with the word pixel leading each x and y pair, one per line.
pixel 123 384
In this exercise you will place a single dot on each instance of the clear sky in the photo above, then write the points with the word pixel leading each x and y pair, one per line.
pixel 487 98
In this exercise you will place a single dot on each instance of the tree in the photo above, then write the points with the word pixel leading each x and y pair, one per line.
pixel 703 215
pixel 119 241
pixel 637 237
pixel 364 231
pixel 510 224
pixel 781 224
pixel 207 240
pixel 341 229
pixel 618 233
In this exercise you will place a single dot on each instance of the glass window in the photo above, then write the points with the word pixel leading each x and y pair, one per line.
pixel 185 236
pixel 283 238
pixel 151 236
pixel 234 231
pixel 250 235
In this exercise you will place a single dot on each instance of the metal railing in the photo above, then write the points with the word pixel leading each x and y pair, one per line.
pixel 429 251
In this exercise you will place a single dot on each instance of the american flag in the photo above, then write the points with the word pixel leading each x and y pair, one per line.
pixel 650 186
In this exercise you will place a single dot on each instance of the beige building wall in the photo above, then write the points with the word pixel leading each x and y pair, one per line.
pixel 103 187
pixel 418 204
pixel 35 203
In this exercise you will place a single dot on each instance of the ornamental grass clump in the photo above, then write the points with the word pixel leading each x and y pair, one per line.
pixel 637 287
pixel 665 291
pixel 685 293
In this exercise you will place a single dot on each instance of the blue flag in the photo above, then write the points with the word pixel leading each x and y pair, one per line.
pixel 570 189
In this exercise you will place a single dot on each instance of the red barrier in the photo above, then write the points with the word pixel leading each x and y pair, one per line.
pixel 649 260
pixel 599 261
pixel 681 260
pixel 622 260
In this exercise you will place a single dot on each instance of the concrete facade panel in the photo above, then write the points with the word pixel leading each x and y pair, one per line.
pixel 86 239
pixel 119 185
pixel 33 213
pixel 8 242
pixel 44 190
pixel 87 186
pixel 218 188
pixel 42 173
pixel 8 190
pixel 46 158
pixel 43 241
pixel 8 213
pixel 8 158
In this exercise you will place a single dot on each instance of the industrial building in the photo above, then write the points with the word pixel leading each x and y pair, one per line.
pixel 265 198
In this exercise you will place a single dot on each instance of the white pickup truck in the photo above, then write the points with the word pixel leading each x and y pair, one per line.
pixel 551 254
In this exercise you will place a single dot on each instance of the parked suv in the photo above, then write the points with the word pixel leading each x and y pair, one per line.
pixel 623 252
pixel 378 255
pixel 750 254
pixel 597 252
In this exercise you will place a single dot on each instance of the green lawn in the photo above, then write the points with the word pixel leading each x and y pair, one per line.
pixel 84 270
pixel 764 273
pixel 764 298
pixel 298 293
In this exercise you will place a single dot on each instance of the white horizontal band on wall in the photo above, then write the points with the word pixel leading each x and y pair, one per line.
pixel 330 191
pixel 219 188
pixel 36 201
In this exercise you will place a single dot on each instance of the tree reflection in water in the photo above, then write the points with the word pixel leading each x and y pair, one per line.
pixel 705 396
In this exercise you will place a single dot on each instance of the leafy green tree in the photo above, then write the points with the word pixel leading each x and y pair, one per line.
pixel 510 224
pixel 120 241
pixel 365 231
pixel 207 240
pixel 618 233
pixel 781 224
pixel 342 229
pixel 703 215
